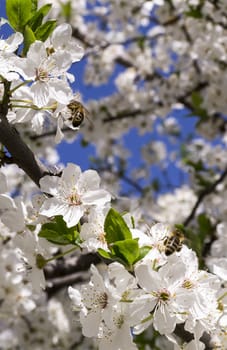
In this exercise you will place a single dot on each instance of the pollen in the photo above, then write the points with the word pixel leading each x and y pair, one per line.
pixel 162 295
pixel 41 74
pixel 125 296
pixel 102 238
pixel 187 284
pixel 74 199
pixel 102 300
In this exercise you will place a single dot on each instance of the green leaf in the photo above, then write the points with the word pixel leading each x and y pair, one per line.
pixel 180 227
pixel 103 108
pixel 205 226
pixel 36 21
pixel 31 227
pixel 197 101
pixel 195 12
pixel 53 236
pixel 203 181
pixel 127 250
pixel 44 31
pixel 104 254
pixel 29 38
pixel 66 9
pixel 143 251
pixel 197 166
pixel 84 143
pixel 57 232
pixel 141 42
pixel 156 184
pixel 34 5
pixel 115 227
pixel 18 12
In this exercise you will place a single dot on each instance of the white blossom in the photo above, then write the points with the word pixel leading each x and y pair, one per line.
pixel 167 301
pixel 47 74
pixel 95 302
pixel 8 66
pixel 72 194
pixel 63 42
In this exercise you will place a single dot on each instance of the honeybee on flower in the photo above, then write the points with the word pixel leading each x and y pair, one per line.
pixel 77 113
pixel 173 242
pixel 74 113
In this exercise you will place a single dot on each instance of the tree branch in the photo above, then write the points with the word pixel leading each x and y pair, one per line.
pixel 73 271
pixel 203 194
pixel 20 152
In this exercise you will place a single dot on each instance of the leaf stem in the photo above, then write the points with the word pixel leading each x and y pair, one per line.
pixel 61 254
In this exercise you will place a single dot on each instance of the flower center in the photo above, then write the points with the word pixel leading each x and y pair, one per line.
pixel 100 300
pixel 74 199
pixel 162 295
pixel 187 284
pixel 101 237
pixel 41 74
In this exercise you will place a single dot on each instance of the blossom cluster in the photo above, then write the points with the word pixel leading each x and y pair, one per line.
pixel 162 287
pixel 40 82
pixel 162 291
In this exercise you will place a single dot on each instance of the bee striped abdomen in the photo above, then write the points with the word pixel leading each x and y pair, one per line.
pixel 173 242
pixel 77 112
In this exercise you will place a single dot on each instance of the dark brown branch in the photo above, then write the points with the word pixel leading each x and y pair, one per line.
pixel 187 336
pixel 55 285
pixel 202 195
pixel 80 36
pixel 20 152
pixel 123 115
pixel 74 264
pixel 72 272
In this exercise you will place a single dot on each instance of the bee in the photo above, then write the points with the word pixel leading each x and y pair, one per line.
pixel 77 113
pixel 173 242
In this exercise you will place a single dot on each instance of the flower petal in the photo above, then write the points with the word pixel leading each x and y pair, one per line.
pixel 90 323
pixel 97 197
pixel 71 174
pixel 52 207
pixel 49 184
pixel 73 215
pixel 164 323
pixel 89 180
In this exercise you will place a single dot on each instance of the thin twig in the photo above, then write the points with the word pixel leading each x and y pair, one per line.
pixel 202 195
